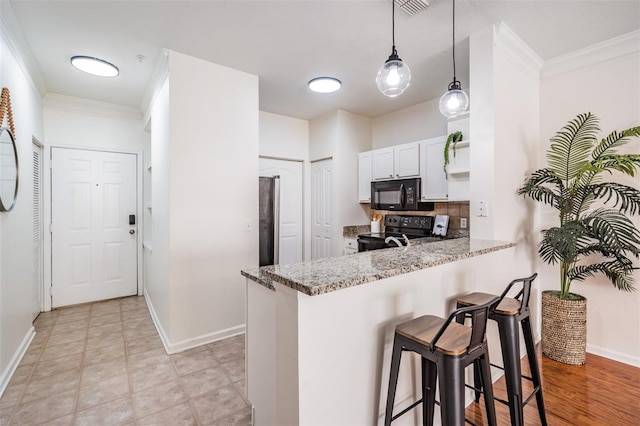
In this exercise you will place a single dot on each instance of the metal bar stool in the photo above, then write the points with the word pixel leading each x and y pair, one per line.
pixel 446 348
pixel 508 312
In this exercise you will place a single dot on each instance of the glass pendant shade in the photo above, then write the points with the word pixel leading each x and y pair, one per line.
pixel 393 77
pixel 454 102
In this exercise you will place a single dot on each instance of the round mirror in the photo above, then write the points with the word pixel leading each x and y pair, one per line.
pixel 8 170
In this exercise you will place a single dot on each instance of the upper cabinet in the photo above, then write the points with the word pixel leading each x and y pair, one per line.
pixel 423 159
pixel 364 176
pixel 397 162
pixel 458 167
pixel 434 182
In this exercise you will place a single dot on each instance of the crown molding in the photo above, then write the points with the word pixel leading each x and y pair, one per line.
pixel 609 50
pixel 158 77
pixel 509 42
pixel 11 33
pixel 65 103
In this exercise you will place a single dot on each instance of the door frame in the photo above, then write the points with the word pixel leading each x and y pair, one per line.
pixel 305 221
pixel 43 219
pixel 47 203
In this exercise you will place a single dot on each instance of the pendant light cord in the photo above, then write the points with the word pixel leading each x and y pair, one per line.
pixel 454 41
pixel 393 27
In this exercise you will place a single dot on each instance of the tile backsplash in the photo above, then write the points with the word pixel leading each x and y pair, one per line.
pixel 455 210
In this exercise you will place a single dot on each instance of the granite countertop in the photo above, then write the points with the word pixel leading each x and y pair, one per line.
pixel 336 273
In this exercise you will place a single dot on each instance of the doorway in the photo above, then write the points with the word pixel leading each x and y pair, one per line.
pixel 290 212
pixel 93 226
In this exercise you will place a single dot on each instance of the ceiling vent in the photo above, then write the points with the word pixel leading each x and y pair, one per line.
pixel 412 6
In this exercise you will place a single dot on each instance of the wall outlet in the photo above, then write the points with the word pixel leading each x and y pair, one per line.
pixel 463 223
pixel 248 227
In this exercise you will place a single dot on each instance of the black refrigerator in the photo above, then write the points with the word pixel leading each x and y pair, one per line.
pixel 269 219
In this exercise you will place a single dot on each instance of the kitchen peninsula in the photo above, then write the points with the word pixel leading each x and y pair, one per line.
pixel 319 333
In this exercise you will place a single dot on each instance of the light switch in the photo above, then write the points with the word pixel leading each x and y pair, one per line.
pixel 482 209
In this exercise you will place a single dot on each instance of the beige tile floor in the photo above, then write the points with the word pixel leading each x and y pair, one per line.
pixel 104 364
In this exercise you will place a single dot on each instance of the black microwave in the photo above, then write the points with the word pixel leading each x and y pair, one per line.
pixel 399 194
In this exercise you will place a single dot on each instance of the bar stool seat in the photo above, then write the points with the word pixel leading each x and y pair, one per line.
pixel 508 312
pixel 446 349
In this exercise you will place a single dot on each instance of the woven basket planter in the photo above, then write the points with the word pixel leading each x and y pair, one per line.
pixel 564 328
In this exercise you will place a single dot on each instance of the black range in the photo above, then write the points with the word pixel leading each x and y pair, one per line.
pixel 398 227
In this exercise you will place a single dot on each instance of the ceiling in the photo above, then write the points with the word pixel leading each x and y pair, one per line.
pixel 286 43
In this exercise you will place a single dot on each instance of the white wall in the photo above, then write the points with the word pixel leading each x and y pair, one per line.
pixel 208 167
pixel 84 123
pixel 504 145
pixel 287 138
pixel 353 137
pixel 341 135
pixel 283 137
pixel 602 79
pixel 157 283
pixel 16 226
pixel 421 121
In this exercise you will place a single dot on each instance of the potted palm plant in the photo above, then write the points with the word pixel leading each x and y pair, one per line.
pixel 595 234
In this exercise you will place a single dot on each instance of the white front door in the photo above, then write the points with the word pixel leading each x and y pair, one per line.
pixel 290 172
pixel 321 208
pixel 94 257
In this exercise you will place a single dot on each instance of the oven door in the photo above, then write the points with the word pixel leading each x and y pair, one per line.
pixel 370 243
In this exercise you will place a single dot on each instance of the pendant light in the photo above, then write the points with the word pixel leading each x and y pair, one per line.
pixel 394 75
pixel 455 101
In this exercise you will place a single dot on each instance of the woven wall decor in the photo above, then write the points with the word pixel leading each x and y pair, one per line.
pixel 5 108
pixel 564 328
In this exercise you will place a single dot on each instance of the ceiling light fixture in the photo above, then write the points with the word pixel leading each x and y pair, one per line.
pixel 95 66
pixel 455 101
pixel 394 75
pixel 324 84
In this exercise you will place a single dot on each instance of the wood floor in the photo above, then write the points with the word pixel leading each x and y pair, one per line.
pixel 601 392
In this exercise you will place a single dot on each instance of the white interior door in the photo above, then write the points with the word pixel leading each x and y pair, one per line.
pixel 37 231
pixel 93 250
pixel 321 207
pixel 290 172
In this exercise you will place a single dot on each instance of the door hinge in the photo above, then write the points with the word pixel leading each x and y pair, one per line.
pixel 51 227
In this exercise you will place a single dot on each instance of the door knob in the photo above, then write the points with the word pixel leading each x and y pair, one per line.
pixel 132 231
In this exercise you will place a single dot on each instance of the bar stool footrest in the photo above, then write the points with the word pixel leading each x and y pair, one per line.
pixel 406 410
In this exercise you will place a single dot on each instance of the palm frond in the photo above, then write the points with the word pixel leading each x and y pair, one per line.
pixel 613 230
pixel 619 273
pixel 624 163
pixel 535 188
pixel 559 244
pixel 613 140
pixel 570 148
pixel 625 198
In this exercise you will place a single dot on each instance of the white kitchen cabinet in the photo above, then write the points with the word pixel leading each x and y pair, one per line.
pixel 434 182
pixel 459 166
pixel 350 246
pixel 397 162
pixel 383 163
pixel 364 176
pixel 407 160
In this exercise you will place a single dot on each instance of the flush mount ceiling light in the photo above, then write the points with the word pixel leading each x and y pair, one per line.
pixel 95 66
pixel 325 84
pixel 455 101
pixel 394 75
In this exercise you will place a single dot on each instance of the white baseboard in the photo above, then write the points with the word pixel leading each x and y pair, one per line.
pixel 175 347
pixel 7 374
pixel 614 355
